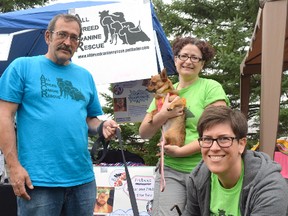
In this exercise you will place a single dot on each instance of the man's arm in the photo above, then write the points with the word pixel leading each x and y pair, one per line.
pixel 18 175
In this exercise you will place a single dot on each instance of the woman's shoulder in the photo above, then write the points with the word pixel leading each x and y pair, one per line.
pixel 208 81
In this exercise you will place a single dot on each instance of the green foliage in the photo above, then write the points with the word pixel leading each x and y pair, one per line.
pixel 283 125
pixel 12 5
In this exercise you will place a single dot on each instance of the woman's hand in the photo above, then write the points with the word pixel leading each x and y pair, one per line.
pixel 172 150
pixel 183 151
pixel 170 113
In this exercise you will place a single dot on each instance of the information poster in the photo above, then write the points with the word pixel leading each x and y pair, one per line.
pixel 131 100
pixel 112 190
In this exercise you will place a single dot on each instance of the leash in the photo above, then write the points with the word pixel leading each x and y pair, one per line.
pixel 94 151
pixel 129 182
pixel 177 209
pixel 100 142
pixel 161 170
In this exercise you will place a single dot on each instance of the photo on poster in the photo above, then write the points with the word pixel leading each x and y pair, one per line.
pixel 104 201
pixel 120 104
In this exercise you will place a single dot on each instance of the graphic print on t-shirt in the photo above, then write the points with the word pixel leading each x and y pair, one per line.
pixel 60 89
pixel 221 213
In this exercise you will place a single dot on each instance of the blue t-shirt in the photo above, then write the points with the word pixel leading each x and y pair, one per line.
pixel 52 133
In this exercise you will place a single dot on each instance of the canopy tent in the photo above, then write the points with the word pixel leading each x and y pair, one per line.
pixel 268 56
pixel 30 43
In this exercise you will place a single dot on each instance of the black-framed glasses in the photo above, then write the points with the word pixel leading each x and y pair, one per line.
pixel 223 142
pixel 64 35
pixel 193 59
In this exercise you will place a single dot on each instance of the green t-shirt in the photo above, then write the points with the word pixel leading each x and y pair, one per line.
pixel 198 95
pixel 225 201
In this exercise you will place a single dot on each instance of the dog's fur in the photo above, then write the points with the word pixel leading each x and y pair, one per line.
pixel 174 128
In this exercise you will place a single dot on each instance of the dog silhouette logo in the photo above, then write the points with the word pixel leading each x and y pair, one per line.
pixel 67 89
pixel 115 26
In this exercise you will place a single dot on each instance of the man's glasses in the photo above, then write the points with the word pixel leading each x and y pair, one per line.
pixel 223 142
pixel 64 35
pixel 193 59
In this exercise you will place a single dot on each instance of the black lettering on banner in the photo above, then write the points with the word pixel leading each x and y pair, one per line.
pixel 90 46
pixel 90 28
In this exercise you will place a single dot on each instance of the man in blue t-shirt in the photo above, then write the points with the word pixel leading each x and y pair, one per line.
pixel 55 103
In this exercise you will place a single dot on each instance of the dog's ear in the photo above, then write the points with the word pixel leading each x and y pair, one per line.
pixel 163 75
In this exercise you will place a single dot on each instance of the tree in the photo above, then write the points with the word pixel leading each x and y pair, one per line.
pixel 12 5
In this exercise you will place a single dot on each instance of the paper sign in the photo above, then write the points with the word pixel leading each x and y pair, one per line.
pixel 117 43
pixel 113 192
pixel 5 44
pixel 131 100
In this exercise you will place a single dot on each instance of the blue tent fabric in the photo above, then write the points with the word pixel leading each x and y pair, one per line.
pixel 32 43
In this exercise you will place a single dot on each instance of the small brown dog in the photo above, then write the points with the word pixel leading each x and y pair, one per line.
pixel 174 129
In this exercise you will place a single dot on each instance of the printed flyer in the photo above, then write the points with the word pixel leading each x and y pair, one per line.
pixel 131 100
pixel 112 190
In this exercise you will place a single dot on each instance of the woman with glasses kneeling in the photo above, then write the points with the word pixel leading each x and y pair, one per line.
pixel 231 180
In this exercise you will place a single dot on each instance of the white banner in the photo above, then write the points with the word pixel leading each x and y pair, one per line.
pixel 5 44
pixel 117 44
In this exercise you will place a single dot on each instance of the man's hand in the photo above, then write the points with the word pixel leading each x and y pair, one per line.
pixel 19 178
pixel 109 129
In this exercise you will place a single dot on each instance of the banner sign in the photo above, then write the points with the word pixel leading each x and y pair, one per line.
pixel 112 191
pixel 5 44
pixel 131 100
pixel 117 44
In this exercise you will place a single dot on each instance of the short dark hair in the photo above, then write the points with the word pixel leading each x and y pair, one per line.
pixel 208 52
pixel 214 115
pixel 67 18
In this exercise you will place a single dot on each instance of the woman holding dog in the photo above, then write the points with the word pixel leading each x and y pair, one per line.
pixel 190 56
